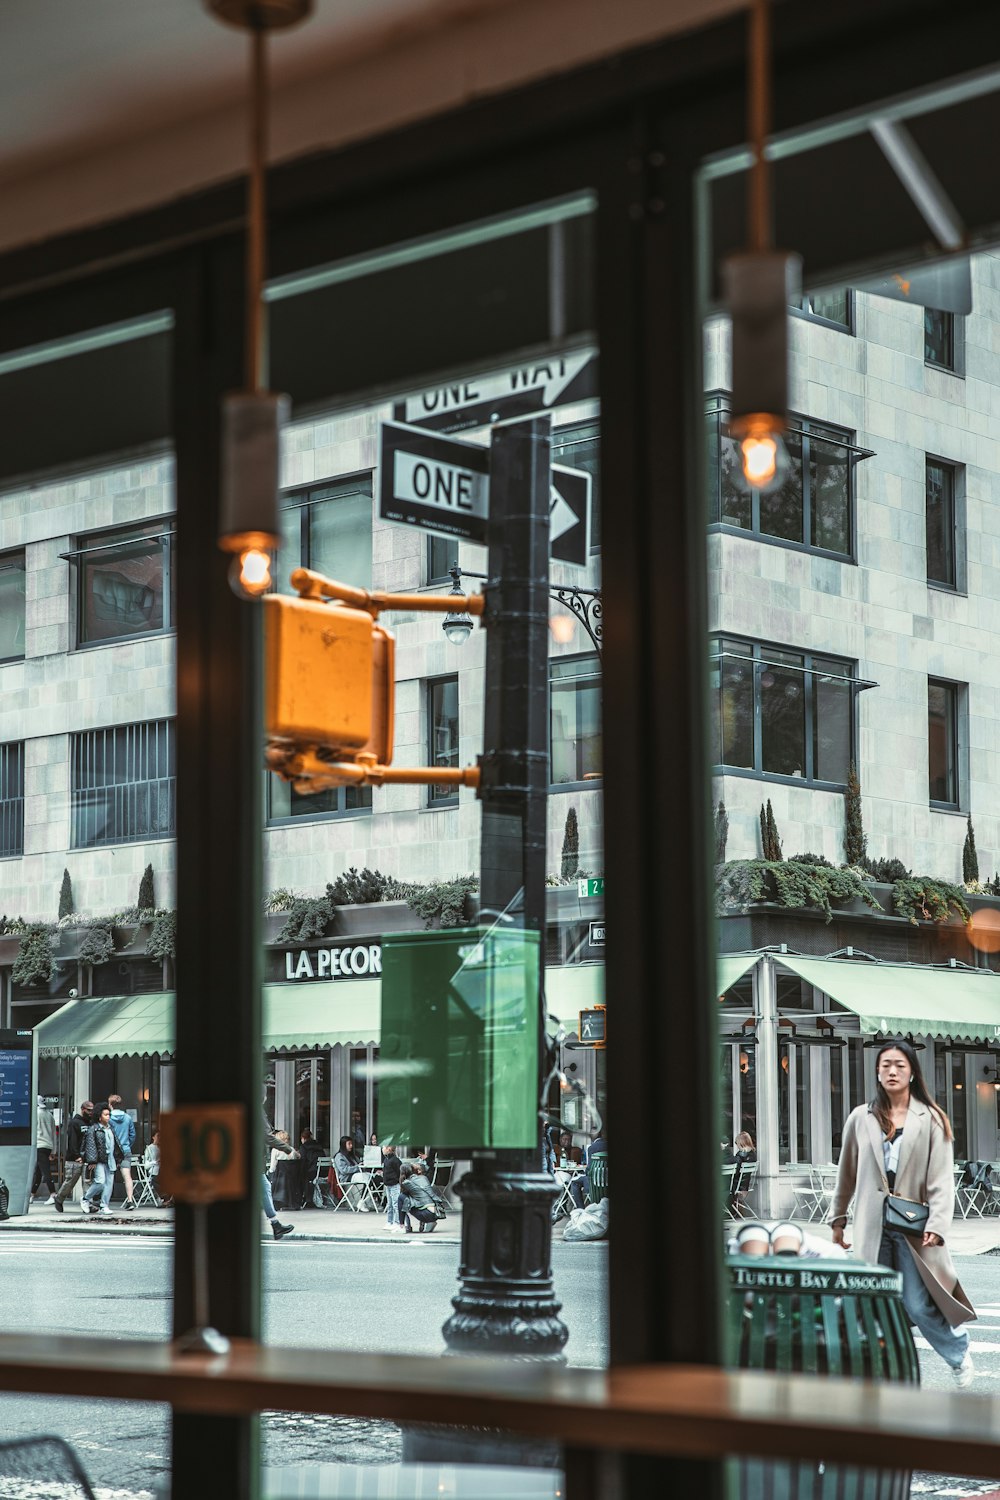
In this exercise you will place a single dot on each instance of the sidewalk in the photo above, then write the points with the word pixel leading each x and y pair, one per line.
pixel 158 1223
pixel 967 1237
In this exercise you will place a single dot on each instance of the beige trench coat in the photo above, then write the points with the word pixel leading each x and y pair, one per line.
pixel 925 1173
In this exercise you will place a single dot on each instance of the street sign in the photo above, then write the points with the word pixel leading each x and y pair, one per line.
pixel 594 1026
pixel 569 516
pixel 437 483
pixel 520 391
pixel 443 484
pixel 597 934
pixel 203 1153
pixel 586 890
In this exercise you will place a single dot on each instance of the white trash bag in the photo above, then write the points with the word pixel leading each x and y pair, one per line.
pixel 590 1223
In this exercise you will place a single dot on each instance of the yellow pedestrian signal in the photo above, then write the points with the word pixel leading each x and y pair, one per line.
pixel 329 678
pixel 329 693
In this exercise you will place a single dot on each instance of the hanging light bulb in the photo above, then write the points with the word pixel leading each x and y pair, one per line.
pixel 250 572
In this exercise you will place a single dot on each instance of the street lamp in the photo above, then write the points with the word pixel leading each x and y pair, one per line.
pixel 586 606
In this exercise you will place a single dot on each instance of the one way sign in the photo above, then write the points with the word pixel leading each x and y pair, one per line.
pixel 442 484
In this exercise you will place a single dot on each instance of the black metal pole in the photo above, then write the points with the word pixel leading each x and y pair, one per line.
pixel 506 1303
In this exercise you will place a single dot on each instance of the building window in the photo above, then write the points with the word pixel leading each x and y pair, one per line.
pixel 11 800
pixel 812 507
pixel 442 736
pixel 939 338
pixel 12 577
pixel 285 804
pixel 123 784
pixel 942 743
pixel 782 713
pixel 442 551
pixel 939 488
pixel 577 446
pixel 575 719
pixel 835 308
pixel 328 527
pixel 124 582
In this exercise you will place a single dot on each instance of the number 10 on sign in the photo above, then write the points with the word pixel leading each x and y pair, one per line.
pixel 203 1153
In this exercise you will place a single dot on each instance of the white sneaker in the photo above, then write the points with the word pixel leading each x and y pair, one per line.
pixel 395 1228
pixel 107 1211
pixel 965 1374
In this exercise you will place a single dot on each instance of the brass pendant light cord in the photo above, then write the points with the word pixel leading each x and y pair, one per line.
pixel 759 121
pixel 256 248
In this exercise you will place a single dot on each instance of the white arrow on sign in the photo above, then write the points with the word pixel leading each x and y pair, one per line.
pixel 562 516
pixel 551 377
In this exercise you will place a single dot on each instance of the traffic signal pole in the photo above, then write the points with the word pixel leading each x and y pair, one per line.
pixel 506 1303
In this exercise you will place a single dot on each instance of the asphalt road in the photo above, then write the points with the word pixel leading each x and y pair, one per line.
pixel 378 1298
pixel 388 1296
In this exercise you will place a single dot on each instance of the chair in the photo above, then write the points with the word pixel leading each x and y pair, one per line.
pixel 441 1177
pixel 145 1185
pixel 728 1177
pixel 44 1466
pixel 809 1196
pixel 744 1179
pixel 962 1189
pixel 321 1180
pixel 597 1176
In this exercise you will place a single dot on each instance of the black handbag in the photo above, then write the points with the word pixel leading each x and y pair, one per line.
pixel 905 1214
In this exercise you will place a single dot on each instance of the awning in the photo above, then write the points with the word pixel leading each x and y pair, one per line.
pixel 959 1003
pixel 116 1026
pixel 571 989
pixel 730 968
pixel 321 1015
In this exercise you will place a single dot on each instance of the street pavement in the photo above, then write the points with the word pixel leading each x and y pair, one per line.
pixel 340 1282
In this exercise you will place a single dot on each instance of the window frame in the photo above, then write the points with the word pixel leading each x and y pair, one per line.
pixel 956 343
pixel 758 655
pixel 432 578
pixel 303 497
pixel 76 810
pixel 292 821
pixel 958 692
pixel 595 782
pixel 135 532
pixel 9 559
pixel 446 797
pixel 566 436
pixel 802 310
pixel 717 406
pixel 16 803
pixel 955 472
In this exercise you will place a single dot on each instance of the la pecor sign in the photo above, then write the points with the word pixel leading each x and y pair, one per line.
pixel 359 962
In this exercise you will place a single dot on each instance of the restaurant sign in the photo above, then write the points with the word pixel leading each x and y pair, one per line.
pixel 359 962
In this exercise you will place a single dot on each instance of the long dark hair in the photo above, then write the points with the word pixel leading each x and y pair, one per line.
pixel 882 1109
pixel 347 1144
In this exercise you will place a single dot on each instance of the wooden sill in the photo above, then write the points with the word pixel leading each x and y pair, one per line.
pixel 696 1411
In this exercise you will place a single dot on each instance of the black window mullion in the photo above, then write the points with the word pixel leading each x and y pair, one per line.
pixel 810 707
pixel 807 531
pixel 758 730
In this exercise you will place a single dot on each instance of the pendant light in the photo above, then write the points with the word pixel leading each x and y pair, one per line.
pixel 759 284
pixel 252 418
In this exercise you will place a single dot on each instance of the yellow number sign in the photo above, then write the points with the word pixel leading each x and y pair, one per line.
pixel 203 1153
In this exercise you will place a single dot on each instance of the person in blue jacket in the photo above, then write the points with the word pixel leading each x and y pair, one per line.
pixel 123 1126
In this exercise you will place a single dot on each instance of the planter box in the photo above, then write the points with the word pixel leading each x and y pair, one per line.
pixel 10 944
pixel 374 919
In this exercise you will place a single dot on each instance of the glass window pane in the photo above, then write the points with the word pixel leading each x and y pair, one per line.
pixel 941 718
pixel 781 507
pixel 11 800
pixel 940 496
pixel 578 447
pixel 122 785
pixel 733 698
pixel 340 535
pixel 442 748
pixel 12 588
pixel 832 714
pixel 782 714
pixel 290 554
pixel 830 495
pixel 833 306
pixel 121 584
pixel 939 338
pixel 575 720
pixel 734 497
pixel 442 551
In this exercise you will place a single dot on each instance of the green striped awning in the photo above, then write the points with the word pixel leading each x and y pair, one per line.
pixel 115 1026
pixel 960 1003
pixel 731 967
pixel 306 1015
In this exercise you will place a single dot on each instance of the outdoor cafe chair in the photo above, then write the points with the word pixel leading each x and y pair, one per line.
pixel 809 1195
pixel 145 1185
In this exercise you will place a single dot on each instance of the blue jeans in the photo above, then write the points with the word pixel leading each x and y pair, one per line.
pixel 951 1343
pixel 392 1203
pixel 269 1212
pixel 104 1181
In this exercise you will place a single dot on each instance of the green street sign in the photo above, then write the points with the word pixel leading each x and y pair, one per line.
pixel 587 889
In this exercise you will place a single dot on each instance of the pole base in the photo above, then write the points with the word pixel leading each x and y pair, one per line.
pixel 507 1304
pixel 202 1341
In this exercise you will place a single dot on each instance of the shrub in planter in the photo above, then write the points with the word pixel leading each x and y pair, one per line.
pixel 308 917
pixel 855 842
pixel 146 900
pixel 97 947
pixel 363 887
pixel 923 899
pixel 162 940
pixel 65 896
pixel 721 832
pixel 886 870
pixel 970 859
pixel 36 955
pixel 571 846
pixel 444 903
pixel 810 859
pixel 793 884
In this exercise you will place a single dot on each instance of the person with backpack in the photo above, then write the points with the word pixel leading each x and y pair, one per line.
pixel 123 1126
pixel 73 1169
pixel 101 1147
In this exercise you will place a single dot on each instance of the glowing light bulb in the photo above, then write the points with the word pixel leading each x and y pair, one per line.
pixel 563 628
pixel 250 573
pixel 760 460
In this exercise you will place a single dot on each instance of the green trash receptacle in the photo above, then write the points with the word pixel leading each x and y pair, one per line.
pixel 820 1317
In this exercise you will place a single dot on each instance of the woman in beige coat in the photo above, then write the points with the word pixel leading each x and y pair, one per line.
pixel 901 1143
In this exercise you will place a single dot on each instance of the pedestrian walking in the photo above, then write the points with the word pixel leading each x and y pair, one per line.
pixel 102 1148
pixel 73 1167
pixel 45 1144
pixel 273 1142
pixel 897 1164
pixel 416 1198
pixel 310 1152
pixel 390 1181
pixel 123 1126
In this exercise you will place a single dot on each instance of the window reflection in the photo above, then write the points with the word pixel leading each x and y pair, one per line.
pixel 124 582
pixel 12 591
pixel 575 719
